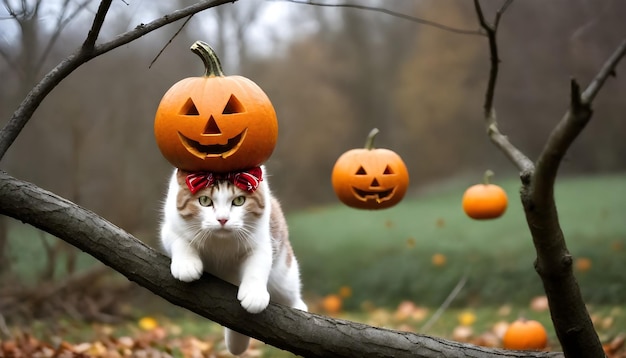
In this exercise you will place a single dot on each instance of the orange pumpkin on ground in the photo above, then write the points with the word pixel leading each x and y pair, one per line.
pixel 332 304
pixel 525 334
pixel 368 178
pixel 485 201
pixel 215 122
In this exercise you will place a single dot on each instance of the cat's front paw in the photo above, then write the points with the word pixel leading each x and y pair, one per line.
pixel 254 298
pixel 187 269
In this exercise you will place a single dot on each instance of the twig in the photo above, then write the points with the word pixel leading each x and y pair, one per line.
pixel 96 26
pixel 444 306
pixel 521 161
pixel 607 70
pixel 170 41
pixel 391 13
pixel 491 31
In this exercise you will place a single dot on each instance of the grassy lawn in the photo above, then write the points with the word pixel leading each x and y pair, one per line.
pixel 386 256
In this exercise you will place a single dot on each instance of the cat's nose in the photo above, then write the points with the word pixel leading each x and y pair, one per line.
pixel 222 221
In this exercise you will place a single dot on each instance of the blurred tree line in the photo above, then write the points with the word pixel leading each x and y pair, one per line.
pixel 332 74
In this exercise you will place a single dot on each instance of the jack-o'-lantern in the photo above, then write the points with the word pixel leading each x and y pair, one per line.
pixel 369 178
pixel 215 122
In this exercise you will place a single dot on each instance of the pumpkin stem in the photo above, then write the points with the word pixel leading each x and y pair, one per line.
pixel 212 65
pixel 369 142
pixel 487 177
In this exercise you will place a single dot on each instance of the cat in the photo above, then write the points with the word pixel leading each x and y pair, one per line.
pixel 231 226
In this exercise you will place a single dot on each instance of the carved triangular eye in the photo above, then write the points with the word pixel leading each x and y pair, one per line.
pixel 189 108
pixel 388 170
pixel 233 106
pixel 361 171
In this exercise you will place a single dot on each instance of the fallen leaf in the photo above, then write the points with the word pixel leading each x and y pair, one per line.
pixel 148 323
pixel 462 333
pixel 466 318
pixel 539 304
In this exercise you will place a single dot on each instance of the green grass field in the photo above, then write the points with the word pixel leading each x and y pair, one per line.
pixel 385 256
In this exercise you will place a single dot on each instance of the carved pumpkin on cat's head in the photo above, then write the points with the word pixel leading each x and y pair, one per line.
pixel 369 178
pixel 215 123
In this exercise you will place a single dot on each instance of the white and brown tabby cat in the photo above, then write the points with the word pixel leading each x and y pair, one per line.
pixel 231 226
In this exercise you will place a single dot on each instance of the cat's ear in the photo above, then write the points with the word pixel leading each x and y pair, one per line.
pixel 181 176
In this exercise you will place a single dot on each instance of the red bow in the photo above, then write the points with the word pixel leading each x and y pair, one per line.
pixel 247 180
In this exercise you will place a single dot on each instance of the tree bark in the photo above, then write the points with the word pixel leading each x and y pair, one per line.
pixel 302 333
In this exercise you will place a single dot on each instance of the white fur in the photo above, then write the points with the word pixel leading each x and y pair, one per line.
pixel 240 252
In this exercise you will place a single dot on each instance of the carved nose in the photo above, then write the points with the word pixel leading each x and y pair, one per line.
pixel 222 221
pixel 211 127
pixel 374 183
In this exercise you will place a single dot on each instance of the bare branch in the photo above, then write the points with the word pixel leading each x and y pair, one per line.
pixel 24 112
pixel 607 70
pixel 491 31
pixel 570 317
pixel 391 13
pixel 96 26
pixel 501 12
pixel 570 126
pixel 521 161
pixel 302 333
pixel 170 41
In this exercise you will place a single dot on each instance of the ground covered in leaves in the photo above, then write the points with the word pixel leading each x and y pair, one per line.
pixel 190 336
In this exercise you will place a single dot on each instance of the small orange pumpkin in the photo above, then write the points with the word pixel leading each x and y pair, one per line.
pixel 368 178
pixel 332 304
pixel 215 122
pixel 485 201
pixel 525 334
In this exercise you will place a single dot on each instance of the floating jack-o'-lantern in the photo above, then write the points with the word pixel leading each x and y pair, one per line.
pixel 369 178
pixel 215 122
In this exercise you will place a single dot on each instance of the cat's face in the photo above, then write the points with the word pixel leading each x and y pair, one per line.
pixel 221 210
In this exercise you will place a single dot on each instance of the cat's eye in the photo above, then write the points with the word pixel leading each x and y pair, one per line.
pixel 205 201
pixel 238 201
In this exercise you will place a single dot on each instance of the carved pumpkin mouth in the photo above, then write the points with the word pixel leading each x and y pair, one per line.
pixel 213 150
pixel 378 196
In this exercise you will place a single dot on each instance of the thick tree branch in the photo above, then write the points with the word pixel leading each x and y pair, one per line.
pixel 571 320
pixel 303 333
pixel 31 102
pixel 554 263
